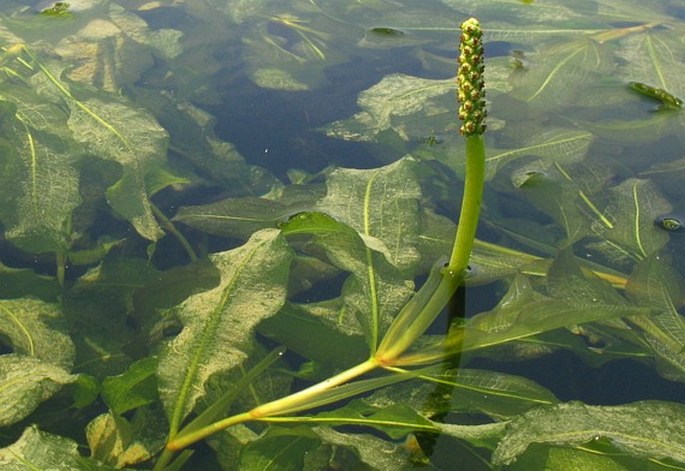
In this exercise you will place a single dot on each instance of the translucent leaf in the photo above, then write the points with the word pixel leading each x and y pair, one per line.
pixel 381 204
pixel 218 324
pixel 25 382
pixel 496 394
pixel 559 73
pixel 373 451
pixel 192 137
pixel 386 103
pixel 103 57
pixel 655 284
pixel 38 170
pixel 647 429
pixel 376 290
pixel 633 207
pixel 131 137
pixel 40 450
pixel 166 42
pixel 315 332
pixel 522 312
pixel 240 217
pixel 547 189
pixel 395 420
pixel 36 329
pixel 551 145
pixel 654 58
pixel 19 282
pixel 298 43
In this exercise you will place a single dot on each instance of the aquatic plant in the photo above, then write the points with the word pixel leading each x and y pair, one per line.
pixel 163 293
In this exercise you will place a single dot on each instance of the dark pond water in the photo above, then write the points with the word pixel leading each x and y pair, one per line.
pixel 190 184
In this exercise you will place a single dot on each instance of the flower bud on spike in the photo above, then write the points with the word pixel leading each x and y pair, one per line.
pixel 470 85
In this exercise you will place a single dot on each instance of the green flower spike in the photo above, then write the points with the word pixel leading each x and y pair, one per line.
pixel 471 96
pixel 470 84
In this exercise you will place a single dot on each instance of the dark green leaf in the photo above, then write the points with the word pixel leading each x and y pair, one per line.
pixel 132 389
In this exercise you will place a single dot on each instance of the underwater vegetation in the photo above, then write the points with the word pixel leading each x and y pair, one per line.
pixel 170 301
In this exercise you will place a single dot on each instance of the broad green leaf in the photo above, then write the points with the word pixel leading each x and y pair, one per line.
pixel 655 284
pixel 42 357
pixel 523 312
pixel 654 58
pixel 36 449
pixel 646 429
pixel 218 324
pixel 26 381
pixel 567 281
pixel 111 442
pixel 388 102
pixel 38 171
pixel 279 449
pixel 374 292
pixel 381 205
pixel 241 217
pixel 315 332
pixel 544 185
pixel 118 131
pixel 111 128
pixel 132 389
pixel 373 451
pixel 565 459
pixel 99 307
pixel 36 329
pixel 632 209
pixel 126 294
pixel 559 72
pixel 551 145
pixel 498 395
pixel 20 282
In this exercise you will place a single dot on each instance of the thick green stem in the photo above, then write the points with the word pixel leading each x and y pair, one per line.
pixel 285 405
pixel 474 182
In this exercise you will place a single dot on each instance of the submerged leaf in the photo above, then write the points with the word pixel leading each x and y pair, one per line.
pixel 647 430
pixel 219 324
pixel 38 171
pixel 374 292
pixel 118 131
pixel 654 58
pixel 41 450
pixel 655 284
pixel 632 235
pixel 37 329
pixel 110 439
pixel 559 72
pixel 387 102
pixel 25 382
pixel 132 389
pixel 382 205
pixel 552 145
